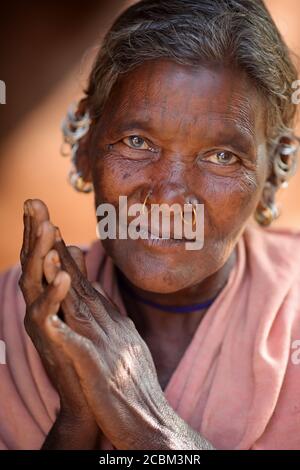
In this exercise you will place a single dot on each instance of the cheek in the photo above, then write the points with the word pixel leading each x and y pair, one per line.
pixel 229 202
pixel 114 175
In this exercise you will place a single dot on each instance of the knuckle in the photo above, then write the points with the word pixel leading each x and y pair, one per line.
pixel 34 314
pixel 83 312
pixel 128 322
pixel 100 342
pixel 88 290
pixel 24 282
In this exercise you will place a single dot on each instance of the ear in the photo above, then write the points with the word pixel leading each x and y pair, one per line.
pixel 283 161
pixel 82 159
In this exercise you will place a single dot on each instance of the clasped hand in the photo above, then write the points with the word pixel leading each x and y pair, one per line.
pixel 94 356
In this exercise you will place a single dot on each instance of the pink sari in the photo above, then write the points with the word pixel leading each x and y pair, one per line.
pixel 236 383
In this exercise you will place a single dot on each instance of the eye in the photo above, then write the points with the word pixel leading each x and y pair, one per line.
pixel 222 158
pixel 136 142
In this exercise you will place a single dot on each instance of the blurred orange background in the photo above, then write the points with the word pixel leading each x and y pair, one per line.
pixel 47 54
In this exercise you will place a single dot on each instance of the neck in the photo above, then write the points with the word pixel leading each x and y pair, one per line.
pixel 151 320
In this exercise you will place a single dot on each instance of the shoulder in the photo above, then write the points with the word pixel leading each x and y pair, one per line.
pixel 273 256
pixel 273 251
pixel 283 239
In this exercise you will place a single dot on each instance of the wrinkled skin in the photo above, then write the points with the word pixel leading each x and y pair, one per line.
pixel 118 368
pixel 40 265
pixel 102 369
pixel 186 115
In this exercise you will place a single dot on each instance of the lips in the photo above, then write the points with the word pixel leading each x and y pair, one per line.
pixel 156 234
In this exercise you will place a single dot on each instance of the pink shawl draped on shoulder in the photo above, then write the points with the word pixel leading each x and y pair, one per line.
pixel 236 384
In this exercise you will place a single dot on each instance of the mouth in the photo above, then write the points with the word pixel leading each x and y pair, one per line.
pixel 153 240
pixel 158 234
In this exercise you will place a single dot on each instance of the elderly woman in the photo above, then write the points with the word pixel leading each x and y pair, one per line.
pixel 139 343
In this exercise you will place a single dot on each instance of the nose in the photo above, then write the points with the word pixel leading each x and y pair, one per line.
pixel 170 195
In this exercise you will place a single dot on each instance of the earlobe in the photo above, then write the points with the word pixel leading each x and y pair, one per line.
pixel 75 129
pixel 283 167
pixel 267 210
pixel 285 159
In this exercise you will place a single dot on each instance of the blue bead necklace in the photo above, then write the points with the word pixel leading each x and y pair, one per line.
pixel 167 308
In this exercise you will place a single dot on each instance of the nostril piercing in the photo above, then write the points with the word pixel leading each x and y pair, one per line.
pixel 144 203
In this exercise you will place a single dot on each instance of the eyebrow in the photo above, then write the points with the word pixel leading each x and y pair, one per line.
pixel 135 124
pixel 240 131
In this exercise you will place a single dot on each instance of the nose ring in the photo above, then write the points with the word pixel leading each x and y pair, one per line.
pixel 144 203
pixel 194 217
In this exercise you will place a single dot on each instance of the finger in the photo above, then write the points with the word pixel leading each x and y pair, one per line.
pixel 39 213
pixel 67 261
pixel 72 308
pixel 98 288
pixel 79 279
pixel 80 302
pixel 88 314
pixel 35 212
pixel 52 265
pixel 79 258
pixel 80 350
pixel 49 302
pixel 87 362
pixel 80 282
pixel 32 275
pixel 75 311
pixel 26 234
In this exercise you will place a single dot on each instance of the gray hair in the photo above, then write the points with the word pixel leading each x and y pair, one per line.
pixel 193 32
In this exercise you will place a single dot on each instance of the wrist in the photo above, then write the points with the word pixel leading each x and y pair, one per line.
pixel 178 435
pixel 69 417
pixel 163 429
pixel 72 432
pixel 152 429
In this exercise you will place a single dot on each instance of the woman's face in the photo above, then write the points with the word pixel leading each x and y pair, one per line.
pixel 200 133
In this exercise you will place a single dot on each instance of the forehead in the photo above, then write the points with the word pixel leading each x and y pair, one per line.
pixel 164 94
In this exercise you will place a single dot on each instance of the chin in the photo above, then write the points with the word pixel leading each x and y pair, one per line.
pixel 158 272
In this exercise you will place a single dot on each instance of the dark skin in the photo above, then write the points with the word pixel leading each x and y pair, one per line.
pixel 201 134
pixel 185 115
pixel 101 367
